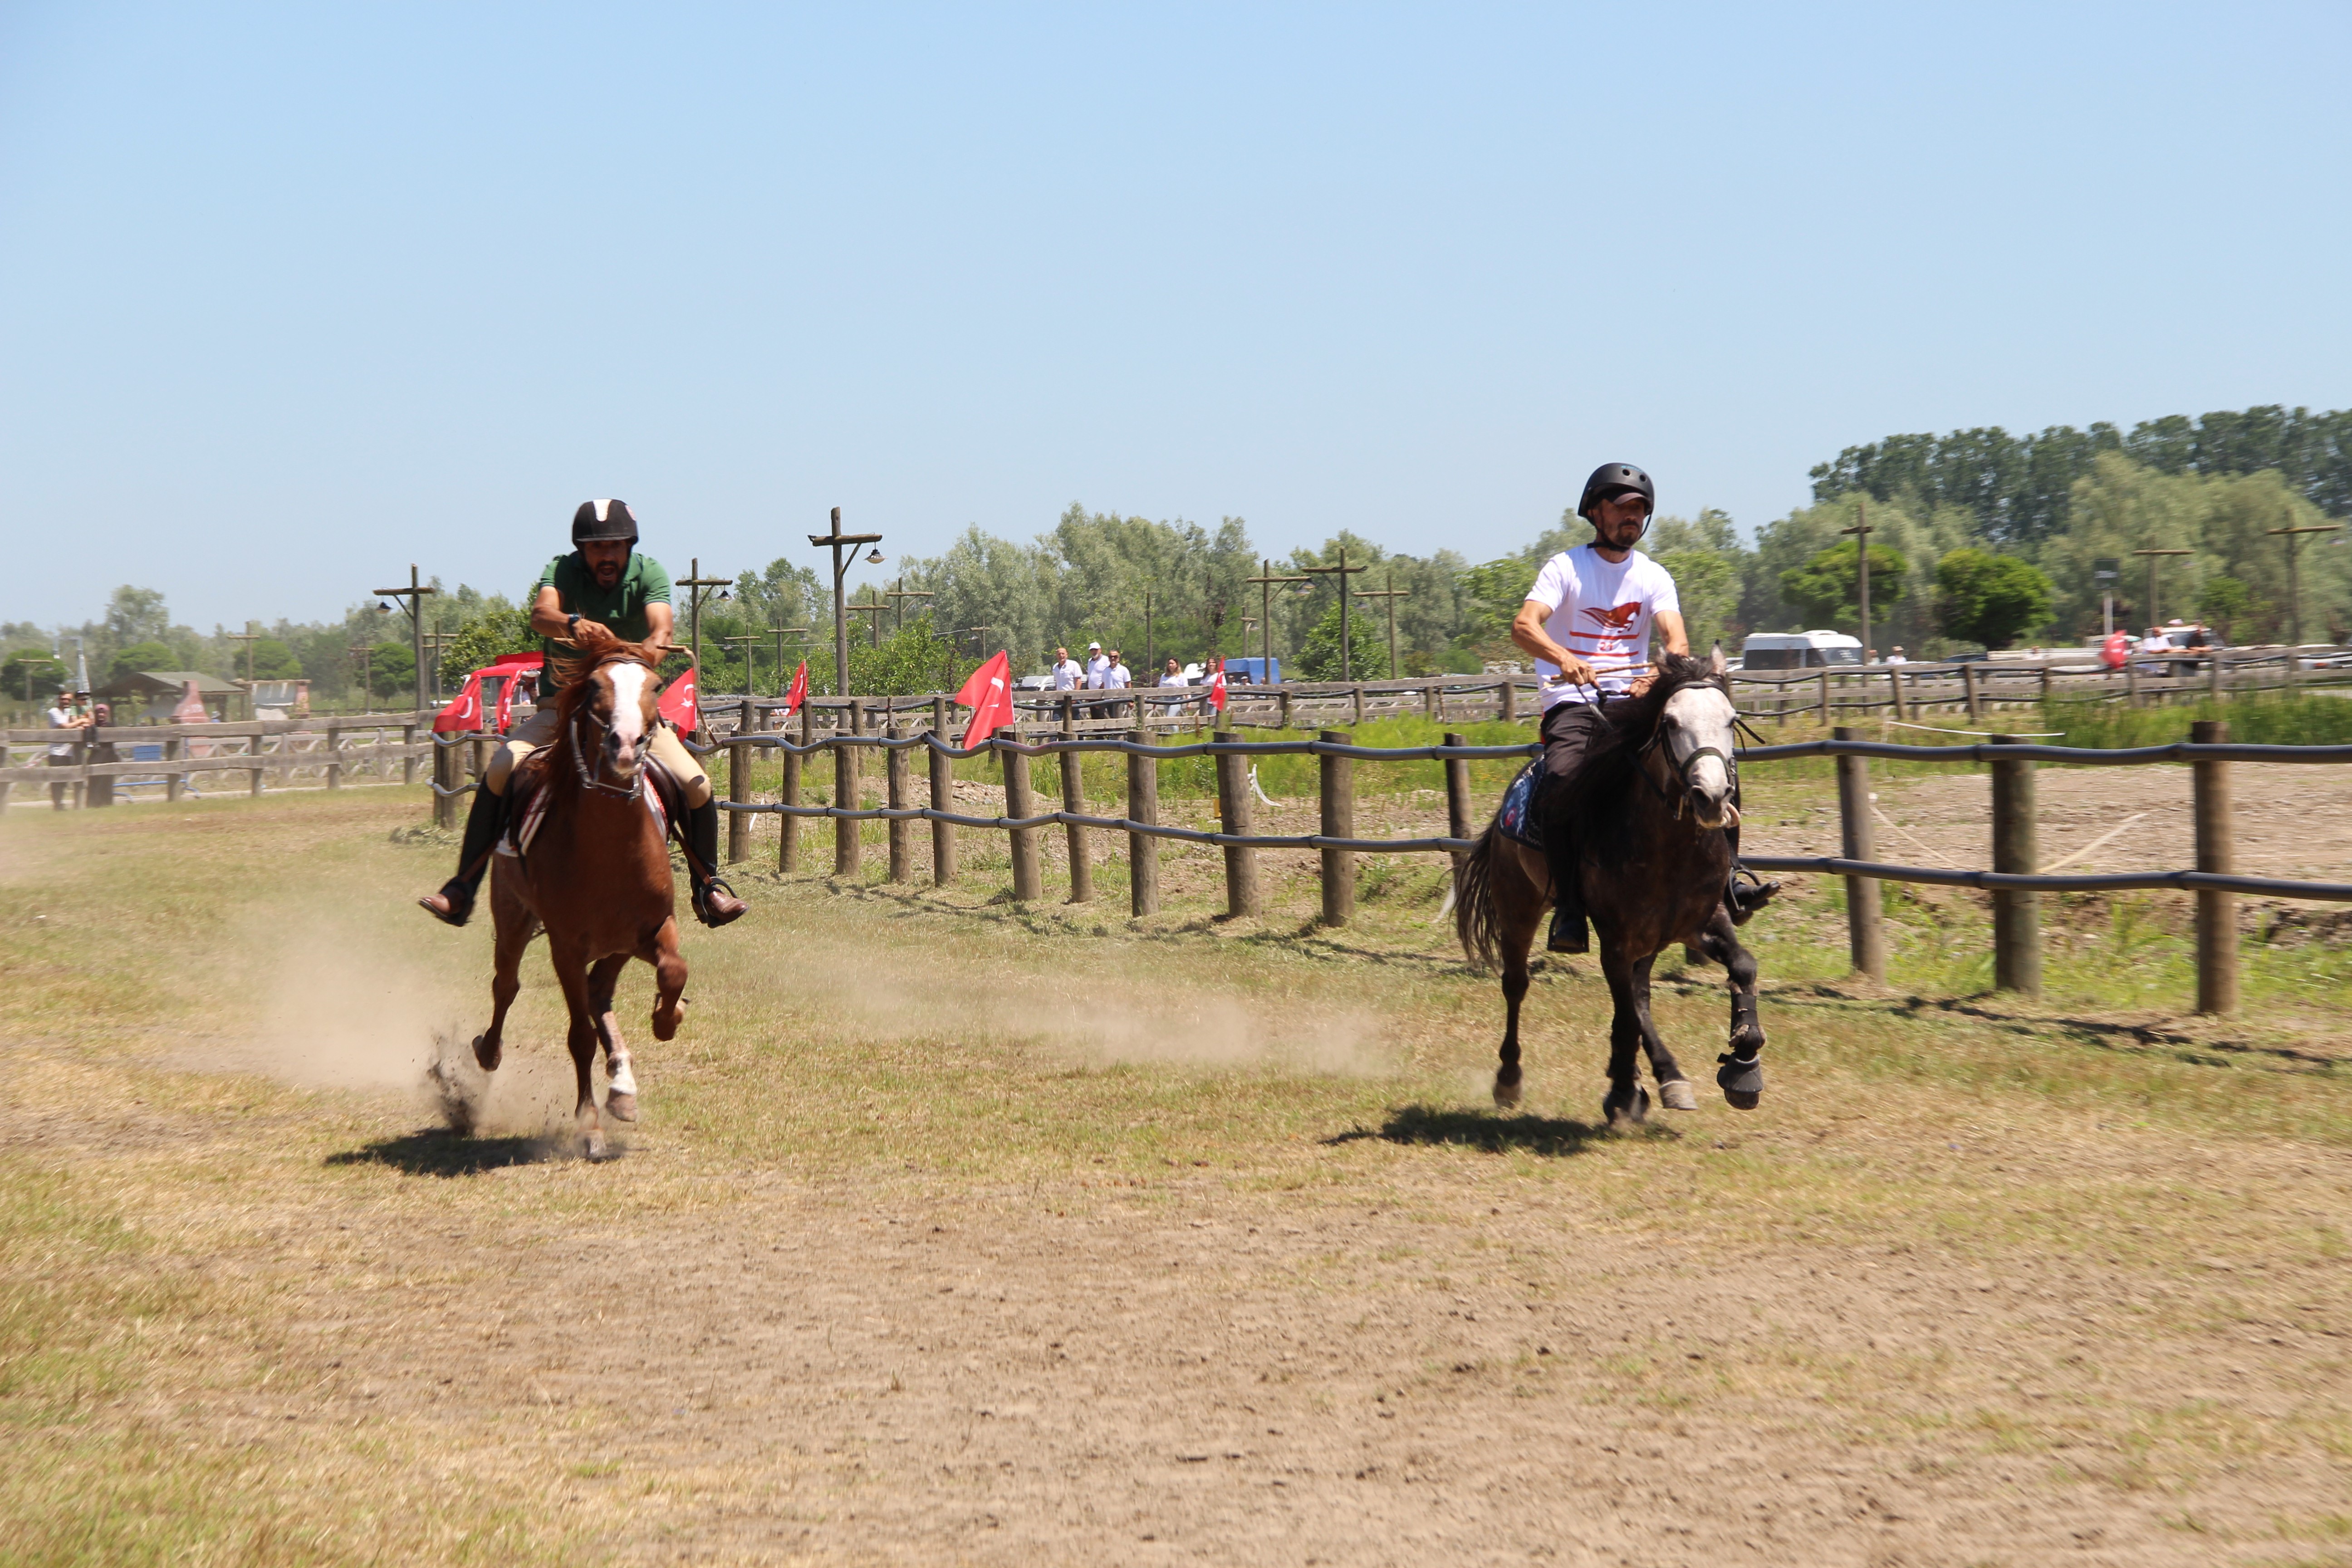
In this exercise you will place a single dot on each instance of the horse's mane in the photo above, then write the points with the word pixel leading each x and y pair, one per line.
pixel 595 650
pixel 1608 761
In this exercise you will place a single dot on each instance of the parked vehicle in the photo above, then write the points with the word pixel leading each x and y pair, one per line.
pixel 1799 650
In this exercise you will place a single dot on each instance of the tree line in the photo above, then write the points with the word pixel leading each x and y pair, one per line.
pixel 1977 539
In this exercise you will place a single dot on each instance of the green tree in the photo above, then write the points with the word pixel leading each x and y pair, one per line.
pixel 30 674
pixel 1991 599
pixel 392 669
pixel 1827 587
pixel 2225 601
pixel 140 656
pixel 273 660
pixel 1707 583
pixel 1367 648
pixel 500 628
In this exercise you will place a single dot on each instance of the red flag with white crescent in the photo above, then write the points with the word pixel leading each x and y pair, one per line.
pixel 464 714
pixel 799 693
pixel 1217 687
pixel 677 704
pixel 989 695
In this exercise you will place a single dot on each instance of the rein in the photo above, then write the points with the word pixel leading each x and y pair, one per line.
pixel 590 778
pixel 1656 742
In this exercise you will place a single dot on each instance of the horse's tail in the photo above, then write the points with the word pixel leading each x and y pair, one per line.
pixel 1476 919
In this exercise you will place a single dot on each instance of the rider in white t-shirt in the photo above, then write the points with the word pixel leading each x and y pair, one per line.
pixel 1589 621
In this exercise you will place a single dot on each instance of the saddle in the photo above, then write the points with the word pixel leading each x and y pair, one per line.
pixel 527 804
pixel 1518 817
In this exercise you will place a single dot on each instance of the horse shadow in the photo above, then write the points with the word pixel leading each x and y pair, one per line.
pixel 444 1152
pixel 1551 1137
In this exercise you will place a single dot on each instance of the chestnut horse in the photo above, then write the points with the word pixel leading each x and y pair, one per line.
pixel 595 876
pixel 1650 802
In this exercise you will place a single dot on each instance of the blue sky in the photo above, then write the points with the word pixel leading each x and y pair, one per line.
pixel 300 294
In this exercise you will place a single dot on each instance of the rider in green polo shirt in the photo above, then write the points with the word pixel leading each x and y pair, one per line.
pixel 602 581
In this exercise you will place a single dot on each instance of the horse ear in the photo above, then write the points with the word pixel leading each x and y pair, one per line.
pixel 1717 664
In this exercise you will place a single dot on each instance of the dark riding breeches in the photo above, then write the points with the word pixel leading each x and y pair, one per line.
pixel 1569 731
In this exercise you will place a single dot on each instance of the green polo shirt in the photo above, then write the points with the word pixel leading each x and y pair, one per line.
pixel 621 607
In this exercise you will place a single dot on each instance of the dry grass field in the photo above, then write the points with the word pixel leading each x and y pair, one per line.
pixel 961 1231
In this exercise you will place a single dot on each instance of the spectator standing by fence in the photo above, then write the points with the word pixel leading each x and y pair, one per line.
pixel 68 715
pixel 1117 677
pixel 1066 672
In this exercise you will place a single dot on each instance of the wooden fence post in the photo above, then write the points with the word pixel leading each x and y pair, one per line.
pixel 1286 706
pixel 1429 700
pixel 1457 799
pixel 1234 815
pixel 845 834
pixel 943 852
pixel 407 757
pixel 445 774
pixel 896 768
pixel 2214 683
pixel 739 786
pixel 1360 701
pixel 174 784
pixel 335 757
pixel 255 747
pixel 2016 912
pixel 1509 700
pixel 1895 692
pixel 2131 684
pixel 1074 796
pixel 1865 932
pixel 1142 805
pixel 1028 881
pixel 1338 778
pixel 1826 696
pixel 2217 911
pixel 1968 690
pixel 2049 688
pixel 788 826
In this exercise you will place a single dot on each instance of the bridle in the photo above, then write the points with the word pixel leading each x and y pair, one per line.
pixel 1680 800
pixel 590 777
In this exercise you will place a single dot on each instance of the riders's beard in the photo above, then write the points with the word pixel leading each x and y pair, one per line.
pixel 607 575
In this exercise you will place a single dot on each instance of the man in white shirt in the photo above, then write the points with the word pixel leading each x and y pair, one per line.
pixel 1116 676
pixel 1068 674
pixel 68 715
pixel 1588 622
pixel 1097 667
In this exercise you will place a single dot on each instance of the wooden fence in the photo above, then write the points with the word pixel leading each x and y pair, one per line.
pixel 2013 880
pixel 180 759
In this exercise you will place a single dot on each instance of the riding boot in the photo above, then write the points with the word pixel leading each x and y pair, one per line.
pixel 484 822
pixel 1570 933
pixel 1744 899
pixel 715 902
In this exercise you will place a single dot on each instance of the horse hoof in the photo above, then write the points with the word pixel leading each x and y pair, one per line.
pixel 621 1105
pixel 1626 1110
pixel 487 1054
pixel 1677 1095
pixel 1742 1081
pixel 592 1146
pixel 1506 1095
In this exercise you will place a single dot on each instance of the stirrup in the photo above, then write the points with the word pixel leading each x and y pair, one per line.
pixel 1744 901
pixel 1568 931
pixel 703 908
pixel 456 902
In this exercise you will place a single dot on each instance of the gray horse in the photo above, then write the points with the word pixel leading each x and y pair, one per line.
pixel 1651 805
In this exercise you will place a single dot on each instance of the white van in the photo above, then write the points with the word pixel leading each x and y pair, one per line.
pixel 1799 650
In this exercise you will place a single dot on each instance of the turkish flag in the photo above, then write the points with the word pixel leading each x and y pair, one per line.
pixel 1217 687
pixel 678 705
pixel 799 693
pixel 989 695
pixel 464 714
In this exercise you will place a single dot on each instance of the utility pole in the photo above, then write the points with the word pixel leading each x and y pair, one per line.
pixel 415 594
pixel 2153 557
pixel 438 642
pixel 1862 531
pixel 1265 580
pixel 979 635
pixel 694 583
pixel 1151 645
pixel 898 597
pixel 2293 588
pixel 1342 571
pixel 365 654
pixel 2104 569
pixel 871 607
pixel 749 640
pixel 837 540
pixel 781 633
pixel 248 639
pixel 1391 593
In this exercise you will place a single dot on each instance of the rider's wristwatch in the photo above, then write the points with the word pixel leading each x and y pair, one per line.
pixel 572 625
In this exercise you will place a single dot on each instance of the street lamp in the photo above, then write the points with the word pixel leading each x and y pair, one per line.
pixel 841 565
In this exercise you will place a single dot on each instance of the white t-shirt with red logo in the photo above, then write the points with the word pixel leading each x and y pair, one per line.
pixel 1602 611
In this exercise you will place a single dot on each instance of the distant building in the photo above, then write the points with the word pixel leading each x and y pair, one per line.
pixel 157 691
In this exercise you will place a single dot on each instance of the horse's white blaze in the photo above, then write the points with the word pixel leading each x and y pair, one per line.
pixel 628 702
pixel 1701 718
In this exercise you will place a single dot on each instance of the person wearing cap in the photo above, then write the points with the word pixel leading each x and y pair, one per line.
pixel 1588 622
pixel 68 715
pixel 604 581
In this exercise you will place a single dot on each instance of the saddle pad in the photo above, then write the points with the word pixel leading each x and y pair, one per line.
pixel 1518 817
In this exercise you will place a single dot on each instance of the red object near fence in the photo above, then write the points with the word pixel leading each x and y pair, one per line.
pixel 678 702
pixel 464 713
pixel 1217 687
pixel 989 695
pixel 799 693
pixel 2116 650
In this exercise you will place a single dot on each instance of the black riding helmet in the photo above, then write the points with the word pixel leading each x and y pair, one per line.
pixel 604 519
pixel 1614 478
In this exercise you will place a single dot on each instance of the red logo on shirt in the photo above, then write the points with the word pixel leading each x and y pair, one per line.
pixel 1618 619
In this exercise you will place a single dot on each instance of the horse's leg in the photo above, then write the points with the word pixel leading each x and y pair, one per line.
pixel 1627 1102
pixel 1739 1073
pixel 1674 1088
pixel 1521 913
pixel 515 929
pixel 572 973
pixel 669 981
pixel 620 1083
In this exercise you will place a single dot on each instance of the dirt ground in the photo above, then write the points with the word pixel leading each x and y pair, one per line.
pixel 971 1233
